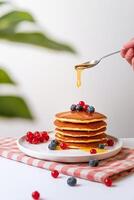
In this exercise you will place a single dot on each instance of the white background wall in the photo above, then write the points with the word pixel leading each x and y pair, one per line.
pixel 47 79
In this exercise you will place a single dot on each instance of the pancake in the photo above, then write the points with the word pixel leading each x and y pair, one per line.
pixel 79 133
pixel 79 117
pixel 93 126
pixel 86 145
pixel 99 138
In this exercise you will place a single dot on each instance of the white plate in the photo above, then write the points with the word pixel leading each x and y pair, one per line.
pixel 41 151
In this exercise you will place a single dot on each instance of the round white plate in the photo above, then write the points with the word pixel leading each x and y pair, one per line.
pixel 41 151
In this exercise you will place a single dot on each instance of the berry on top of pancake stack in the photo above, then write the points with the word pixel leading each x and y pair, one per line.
pixel 81 127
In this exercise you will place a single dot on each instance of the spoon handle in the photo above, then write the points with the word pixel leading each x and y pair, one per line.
pixel 110 54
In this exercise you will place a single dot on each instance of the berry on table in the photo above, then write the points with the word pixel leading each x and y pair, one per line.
pixel 36 195
pixel 93 163
pixel 54 173
pixel 101 146
pixel 108 182
pixel 71 181
pixel 81 103
pixel 110 142
pixel 93 151
pixel 73 107
pixel 63 145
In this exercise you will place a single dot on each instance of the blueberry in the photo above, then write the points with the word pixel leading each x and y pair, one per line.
pixel 73 107
pixel 101 146
pixel 91 109
pixel 54 142
pixel 52 146
pixel 72 181
pixel 79 107
pixel 93 163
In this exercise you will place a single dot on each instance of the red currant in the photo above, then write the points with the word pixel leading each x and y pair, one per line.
pixel 85 107
pixel 110 142
pixel 63 145
pixel 30 135
pixel 42 139
pixel 54 173
pixel 37 134
pixel 36 195
pixel 81 103
pixel 27 139
pixel 93 151
pixel 35 140
pixel 108 182
pixel 44 132
pixel 45 136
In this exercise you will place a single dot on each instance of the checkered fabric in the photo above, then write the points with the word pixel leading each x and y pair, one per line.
pixel 120 165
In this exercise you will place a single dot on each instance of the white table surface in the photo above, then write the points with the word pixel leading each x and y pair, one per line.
pixel 18 181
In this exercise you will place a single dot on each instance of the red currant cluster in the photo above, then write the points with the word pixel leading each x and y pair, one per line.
pixel 37 137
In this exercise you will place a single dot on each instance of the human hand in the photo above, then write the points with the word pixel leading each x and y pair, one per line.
pixel 127 52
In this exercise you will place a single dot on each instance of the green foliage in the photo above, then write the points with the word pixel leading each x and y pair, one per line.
pixel 14 106
pixel 9 21
pixel 5 78
pixel 8 31
pixel 36 38
pixel 2 2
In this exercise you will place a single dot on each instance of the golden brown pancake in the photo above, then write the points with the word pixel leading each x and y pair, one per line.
pixel 86 145
pixel 98 138
pixel 79 133
pixel 93 126
pixel 79 117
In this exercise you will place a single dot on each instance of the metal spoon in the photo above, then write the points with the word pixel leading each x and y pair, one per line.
pixel 93 63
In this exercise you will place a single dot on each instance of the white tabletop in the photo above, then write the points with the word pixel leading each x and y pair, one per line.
pixel 18 181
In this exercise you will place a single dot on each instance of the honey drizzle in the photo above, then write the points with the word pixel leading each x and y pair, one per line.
pixel 78 76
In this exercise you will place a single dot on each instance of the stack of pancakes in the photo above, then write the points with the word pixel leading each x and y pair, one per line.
pixel 80 129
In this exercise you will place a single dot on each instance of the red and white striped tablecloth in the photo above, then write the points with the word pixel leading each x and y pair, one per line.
pixel 120 165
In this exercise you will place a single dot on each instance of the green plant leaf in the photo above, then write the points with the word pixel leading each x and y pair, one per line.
pixel 5 78
pixel 2 2
pixel 38 39
pixel 14 106
pixel 9 21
